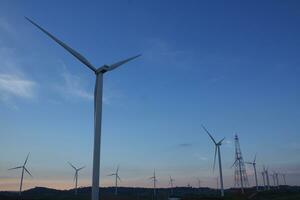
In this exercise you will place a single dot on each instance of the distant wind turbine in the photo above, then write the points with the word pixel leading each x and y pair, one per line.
pixel 97 103
pixel 171 184
pixel 267 177
pixel 217 150
pixel 117 177
pixel 253 163
pixel 154 183
pixel 199 182
pixel 76 175
pixel 264 181
pixel 284 178
pixel 23 167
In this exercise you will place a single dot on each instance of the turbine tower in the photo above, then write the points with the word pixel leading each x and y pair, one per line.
pixel 217 150
pixel 117 177
pixel 154 184
pixel 171 184
pixel 97 104
pixel 240 175
pixel 253 163
pixel 23 167
pixel 76 175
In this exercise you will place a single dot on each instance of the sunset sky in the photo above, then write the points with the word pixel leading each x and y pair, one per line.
pixel 231 66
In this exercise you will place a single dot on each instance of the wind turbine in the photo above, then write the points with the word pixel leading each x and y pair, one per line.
pixel 199 182
pixel 277 180
pixel 283 177
pixel 264 181
pixel 253 163
pixel 267 177
pixel 97 103
pixel 117 177
pixel 76 175
pixel 154 183
pixel 217 150
pixel 171 184
pixel 23 167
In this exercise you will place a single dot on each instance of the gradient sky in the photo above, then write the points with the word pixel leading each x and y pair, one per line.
pixel 231 66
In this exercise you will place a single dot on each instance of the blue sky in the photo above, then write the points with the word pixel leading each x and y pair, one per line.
pixel 231 66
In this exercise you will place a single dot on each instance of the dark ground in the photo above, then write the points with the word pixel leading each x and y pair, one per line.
pixel 284 193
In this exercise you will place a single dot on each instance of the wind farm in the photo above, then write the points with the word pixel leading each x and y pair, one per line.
pixel 202 104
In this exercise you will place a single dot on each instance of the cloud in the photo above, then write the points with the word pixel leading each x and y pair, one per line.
pixel 185 144
pixel 13 85
pixel 73 85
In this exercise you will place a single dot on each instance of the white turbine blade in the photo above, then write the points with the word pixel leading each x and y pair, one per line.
pixel 220 142
pixel 209 134
pixel 75 175
pixel 80 57
pixel 72 166
pixel 80 168
pixel 117 64
pixel 26 159
pixel 119 177
pixel 111 174
pixel 215 159
pixel 15 168
pixel 117 169
pixel 27 171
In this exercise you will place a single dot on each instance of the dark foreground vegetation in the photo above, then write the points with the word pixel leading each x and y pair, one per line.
pixel 184 193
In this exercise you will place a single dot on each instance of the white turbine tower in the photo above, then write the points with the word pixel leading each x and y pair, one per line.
pixel 253 163
pixel 217 150
pixel 117 177
pixel 76 175
pixel 97 103
pixel 171 181
pixel 154 184
pixel 23 167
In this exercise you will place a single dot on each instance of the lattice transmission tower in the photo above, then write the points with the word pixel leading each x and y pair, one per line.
pixel 240 175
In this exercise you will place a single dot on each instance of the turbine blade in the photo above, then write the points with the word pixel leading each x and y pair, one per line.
pixel 77 55
pixel 220 142
pixel 80 168
pixel 119 177
pixel 118 64
pixel 111 174
pixel 28 172
pixel 72 166
pixel 75 175
pixel 117 169
pixel 254 159
pixel 215 158
pixel 26 159
pixel 250 163
pixel 209 134
pixel 15 168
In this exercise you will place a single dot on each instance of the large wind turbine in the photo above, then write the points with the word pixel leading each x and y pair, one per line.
pixel 217 150
pixel 171 184
pixel 97 103
pixel 23 167
pixel 154 183
pixel 117 177
pixel 75 175
pixel 253 163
